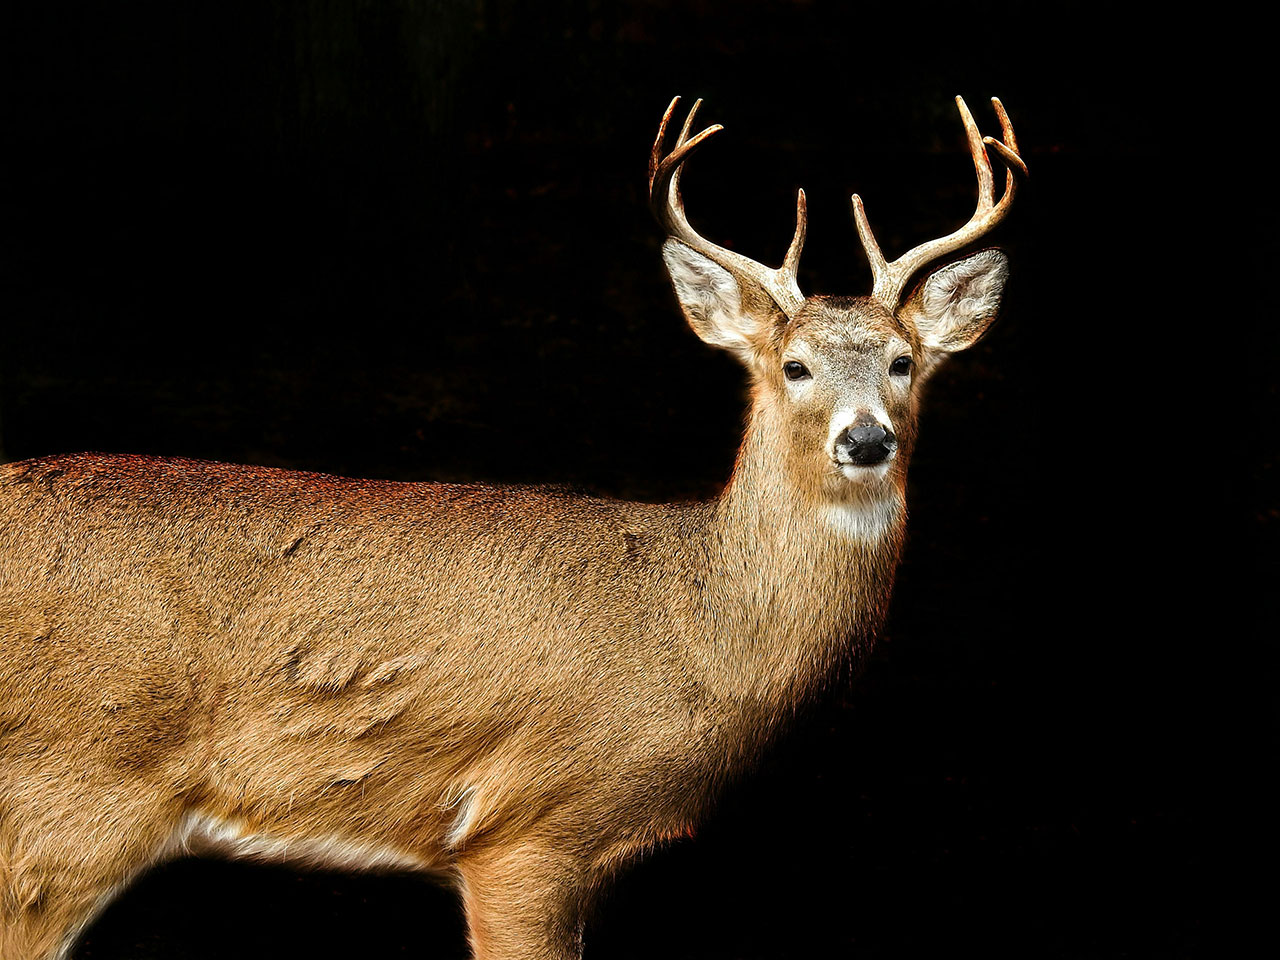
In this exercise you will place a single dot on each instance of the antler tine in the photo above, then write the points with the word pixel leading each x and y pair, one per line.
pixel 1007 153
pixel 688 121
pixel 681 140
pixel 791 262
pixel 890 279
pixel 668 206
pixel 879 267
pixel 981 163
pixel 655 155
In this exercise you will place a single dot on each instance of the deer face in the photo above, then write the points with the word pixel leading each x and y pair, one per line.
pixel 841 376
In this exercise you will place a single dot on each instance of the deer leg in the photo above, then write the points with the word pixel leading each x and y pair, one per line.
pixel 522 903
pixel 41 921
pixel 61 865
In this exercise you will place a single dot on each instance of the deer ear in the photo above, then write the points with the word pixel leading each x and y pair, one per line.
pixel 955 304
pixel 713 301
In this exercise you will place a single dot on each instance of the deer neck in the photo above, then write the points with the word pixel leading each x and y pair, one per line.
pixel 800 576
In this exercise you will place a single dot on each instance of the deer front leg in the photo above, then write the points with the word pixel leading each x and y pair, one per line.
pixel 47 898
pixel 68 844
pixel 33 931
pixel 522 902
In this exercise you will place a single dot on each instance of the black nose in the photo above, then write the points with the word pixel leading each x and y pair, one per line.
pixel 868 443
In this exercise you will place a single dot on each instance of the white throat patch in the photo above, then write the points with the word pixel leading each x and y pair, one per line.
pixel 863 522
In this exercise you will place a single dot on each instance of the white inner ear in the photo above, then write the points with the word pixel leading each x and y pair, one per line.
pixel 710 298
pixel 958 299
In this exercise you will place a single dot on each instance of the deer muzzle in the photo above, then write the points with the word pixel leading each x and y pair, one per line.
pixel 866 444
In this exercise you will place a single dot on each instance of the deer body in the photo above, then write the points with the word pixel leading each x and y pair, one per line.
pixel 518 689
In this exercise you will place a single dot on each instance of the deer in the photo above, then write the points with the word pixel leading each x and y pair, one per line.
pixel 515 690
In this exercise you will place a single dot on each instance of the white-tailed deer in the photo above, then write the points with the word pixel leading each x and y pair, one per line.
pixel 516 689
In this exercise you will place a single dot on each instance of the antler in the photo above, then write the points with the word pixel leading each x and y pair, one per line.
pixel 891 278
pixel 668 207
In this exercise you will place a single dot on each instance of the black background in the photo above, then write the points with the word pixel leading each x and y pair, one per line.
pixel 410 240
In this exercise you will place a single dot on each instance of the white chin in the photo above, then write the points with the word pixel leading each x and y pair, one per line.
pixel 866 474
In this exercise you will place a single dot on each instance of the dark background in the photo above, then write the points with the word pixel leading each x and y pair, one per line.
pixel 410 240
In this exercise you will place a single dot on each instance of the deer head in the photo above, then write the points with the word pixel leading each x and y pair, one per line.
pixel 839 377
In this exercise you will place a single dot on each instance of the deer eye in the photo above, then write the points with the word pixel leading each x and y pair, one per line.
pixel 795 370
pixel 900 367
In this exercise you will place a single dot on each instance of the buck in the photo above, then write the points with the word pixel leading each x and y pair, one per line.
pixel 517 690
